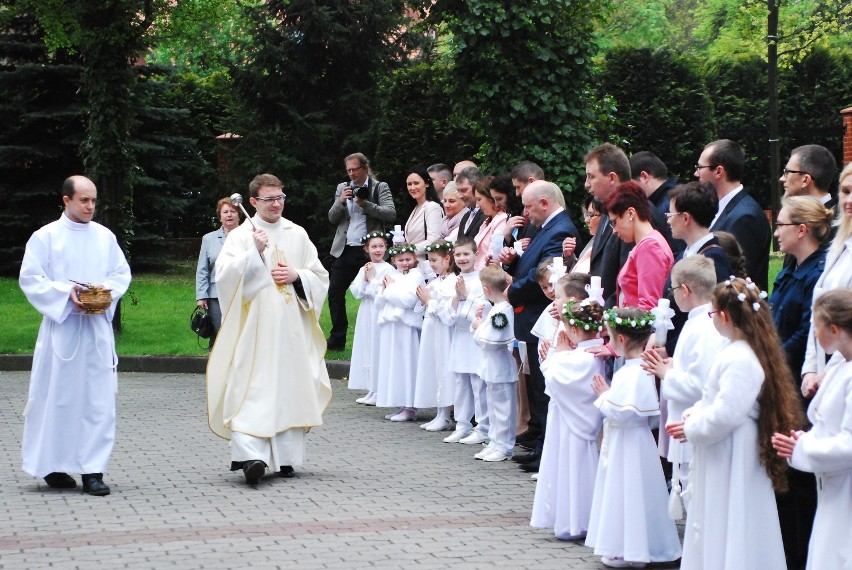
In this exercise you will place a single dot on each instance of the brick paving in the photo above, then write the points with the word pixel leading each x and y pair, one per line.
pixel 372 494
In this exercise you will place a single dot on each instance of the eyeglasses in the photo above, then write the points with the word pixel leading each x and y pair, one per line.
pixel 787 171
pixel 670 215
pixel 273 199
pixel 588 217
pixel 782 224
pixel 711 313
pixel 700 166
pixel 356 169
pixel 672 288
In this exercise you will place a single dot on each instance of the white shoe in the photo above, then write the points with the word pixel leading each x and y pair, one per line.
pixel 481 455
pixel 616 562
pixel 475 438
pixel 370 399
pixel 392 414
pixel 440 425
pixel 495 455
pixel 456 436
pixel 406 415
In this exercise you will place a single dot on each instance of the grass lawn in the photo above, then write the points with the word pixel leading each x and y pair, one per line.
pixel 155 315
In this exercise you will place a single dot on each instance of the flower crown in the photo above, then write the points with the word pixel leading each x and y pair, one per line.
pixel 371 235
pixel 445 245
pixel 411 248
pixel 751 286
pixel 644 321
pixel 574 319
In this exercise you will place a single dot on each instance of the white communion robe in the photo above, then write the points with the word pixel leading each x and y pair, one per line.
pixel 826 449
pixel 435 384
pixel 630 505
pixel 732 522
pixel 697 348
pixel 366 326
pixel 267 383
pixel 69 420
pixel 399 340
pixel 569 459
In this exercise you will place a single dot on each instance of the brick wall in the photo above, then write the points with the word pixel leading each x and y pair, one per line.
pixel 847 135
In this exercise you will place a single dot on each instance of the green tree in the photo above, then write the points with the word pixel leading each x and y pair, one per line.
pixel 521 72
pixel 662 105
pixel 43 126
pixel 310 94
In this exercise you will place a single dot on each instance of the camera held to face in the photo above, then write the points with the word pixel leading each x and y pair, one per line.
pixel 362 192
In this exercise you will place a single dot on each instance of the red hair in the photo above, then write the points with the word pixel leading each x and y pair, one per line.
pixel 629 195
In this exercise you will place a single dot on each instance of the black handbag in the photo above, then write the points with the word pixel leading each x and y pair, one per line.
pixel 201 323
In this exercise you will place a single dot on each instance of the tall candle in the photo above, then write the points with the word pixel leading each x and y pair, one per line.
pixel 596 282
pixel 558 264
pixel 664 303
pixel 397 228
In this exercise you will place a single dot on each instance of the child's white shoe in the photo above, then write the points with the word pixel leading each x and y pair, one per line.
pixel 370 399
pixel 621 563
pixel 405 415
pixel 456 436
pixel 475 438
pixel 495 455
pixel 392 414
pixel 439 424
pixel 481 455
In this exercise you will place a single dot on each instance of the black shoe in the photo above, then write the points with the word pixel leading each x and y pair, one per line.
pixel 335 344
pixel 59 480
pixel 93 485
pixel 527 437
pixel 527 458
pixel 287 472
pixel 254 470
pixel 531 467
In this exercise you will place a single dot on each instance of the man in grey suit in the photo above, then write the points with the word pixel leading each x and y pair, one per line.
pixel 361 205
pixel 722 163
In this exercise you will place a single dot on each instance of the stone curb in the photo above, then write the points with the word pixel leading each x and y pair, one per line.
pixel 156 364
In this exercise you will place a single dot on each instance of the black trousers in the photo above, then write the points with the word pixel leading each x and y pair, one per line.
pixel 343 272
pixel 538 400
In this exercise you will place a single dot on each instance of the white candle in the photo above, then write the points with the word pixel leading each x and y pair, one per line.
pixel 397 228
pixel 664 303
pixel 558 263
pixel 519 247
pixel 596 282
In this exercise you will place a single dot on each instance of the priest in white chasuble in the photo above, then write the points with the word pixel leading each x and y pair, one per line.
pixel 69 419
pixel 267 383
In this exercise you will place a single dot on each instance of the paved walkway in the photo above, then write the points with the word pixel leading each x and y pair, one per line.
pixel 371 495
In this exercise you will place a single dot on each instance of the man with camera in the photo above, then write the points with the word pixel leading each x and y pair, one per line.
pixel 361 205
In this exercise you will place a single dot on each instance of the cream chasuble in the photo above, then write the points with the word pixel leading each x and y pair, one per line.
pixel 266 373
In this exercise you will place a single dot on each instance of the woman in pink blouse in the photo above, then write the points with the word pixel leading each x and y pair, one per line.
pixel 642 278
pixel 492 227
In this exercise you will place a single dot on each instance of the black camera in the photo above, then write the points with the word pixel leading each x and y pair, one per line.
pixel 362 192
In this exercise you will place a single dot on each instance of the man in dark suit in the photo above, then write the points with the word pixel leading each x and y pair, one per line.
pixel 542 207
pixel 607 167
pixel 810 172
pixel 361 205
pixel 722 163
pixel 652 175
pixel 471 221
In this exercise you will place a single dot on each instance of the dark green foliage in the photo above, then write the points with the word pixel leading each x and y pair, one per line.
pixel 42 121
pixel 812 93
pixel 738 89
pixel 662 105
pixel 310 95
pixel 521 71
pixel 418 124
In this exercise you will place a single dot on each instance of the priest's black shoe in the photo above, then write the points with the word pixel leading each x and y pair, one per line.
pixel 93 485
pixel 254 470
pixel 531 467
pixel 335 344
pixel 287 472
pixel 58 480
pixel 527 458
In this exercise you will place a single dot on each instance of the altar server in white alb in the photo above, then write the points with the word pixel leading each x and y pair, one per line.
pixel 267 383
pixel 69 420
pixel 826 449
pixel 495 334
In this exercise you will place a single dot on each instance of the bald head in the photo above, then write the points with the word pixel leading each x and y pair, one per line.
pixel 74 183
pixel 540 200
pixel 79 196
pixel 461 166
